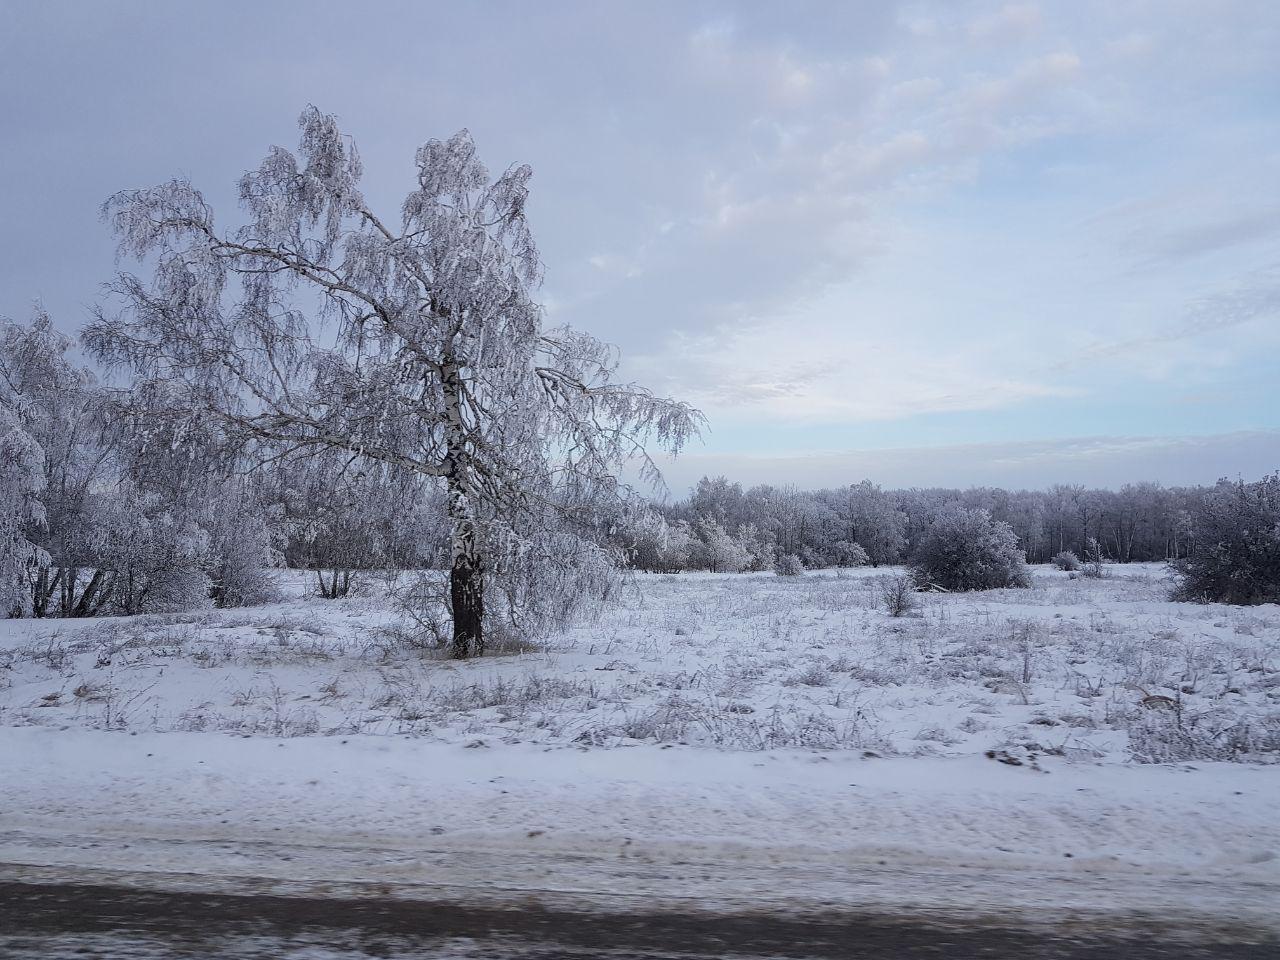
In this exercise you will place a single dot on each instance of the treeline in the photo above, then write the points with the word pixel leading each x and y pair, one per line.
pixel 723 527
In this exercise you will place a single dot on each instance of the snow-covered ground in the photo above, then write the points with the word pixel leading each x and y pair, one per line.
pixel 1084 745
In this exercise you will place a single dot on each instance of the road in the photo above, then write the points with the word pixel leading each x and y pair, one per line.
pixel 53 920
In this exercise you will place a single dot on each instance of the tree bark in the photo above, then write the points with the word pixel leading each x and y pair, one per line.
pixel 466 591
pixel 85 605
pixel 466 571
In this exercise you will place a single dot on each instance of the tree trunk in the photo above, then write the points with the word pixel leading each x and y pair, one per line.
pixel 44 590
pixel 466 571
pixel 466 591
pixel 85 605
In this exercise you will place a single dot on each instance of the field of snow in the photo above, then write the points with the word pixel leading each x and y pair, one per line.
pixel 1084 744
pixel 1087 669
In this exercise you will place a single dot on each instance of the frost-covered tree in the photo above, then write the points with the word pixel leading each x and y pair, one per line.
pixel 870 517
pixel 759 545
pixel 783 512
pixel 719 500
pixel 658 546
pixel 965 549
pixel 244 534
pixel 1236 545
pixel 58 405
pixel 846 554
pixel 21 479
pixel 718 550
pixel 413 342
pixel 156 557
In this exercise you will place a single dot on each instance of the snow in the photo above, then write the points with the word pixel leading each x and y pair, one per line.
pixel 734 739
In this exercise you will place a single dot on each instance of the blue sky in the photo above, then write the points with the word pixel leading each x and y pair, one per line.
pixel 927 243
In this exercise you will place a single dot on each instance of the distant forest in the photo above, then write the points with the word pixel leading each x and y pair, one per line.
pixel 723 526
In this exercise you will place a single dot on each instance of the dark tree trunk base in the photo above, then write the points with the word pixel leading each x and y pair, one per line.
pixel 466 593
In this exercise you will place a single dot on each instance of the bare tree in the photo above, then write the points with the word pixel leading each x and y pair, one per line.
pixel 320 325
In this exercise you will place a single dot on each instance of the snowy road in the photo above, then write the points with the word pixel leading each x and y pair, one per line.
pixel 56 920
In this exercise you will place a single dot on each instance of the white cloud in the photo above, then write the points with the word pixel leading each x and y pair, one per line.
pixel 1095 461
pixel 1013 21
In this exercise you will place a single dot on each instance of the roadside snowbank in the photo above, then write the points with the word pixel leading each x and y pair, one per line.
pixel 804 830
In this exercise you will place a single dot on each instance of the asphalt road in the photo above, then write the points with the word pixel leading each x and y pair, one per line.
pixel 56 920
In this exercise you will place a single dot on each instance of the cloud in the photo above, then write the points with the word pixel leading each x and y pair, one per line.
pixel 1092 461
pixel 1255 297
pixel 810 150
pixel 1013 21
pixel 807 370
pixel 1184 243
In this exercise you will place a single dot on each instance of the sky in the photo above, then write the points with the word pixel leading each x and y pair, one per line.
pixel 927 243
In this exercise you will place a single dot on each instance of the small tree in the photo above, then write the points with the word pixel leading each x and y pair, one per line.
pixel 658 546
pixel 318 324
pixel 788 565
pixel 967 550
pixel 1236 545
pixel 898 593
pixel 717 550
pixel 1093 559
pixel 242 546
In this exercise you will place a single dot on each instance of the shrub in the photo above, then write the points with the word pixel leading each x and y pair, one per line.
pixel 1093 567
pixel 241 552
pixel 1066 560
pixel 788 565
pixel 898 594
pixel 849 554
pixel 1235 554
pixel 1174 736
pixel 967 550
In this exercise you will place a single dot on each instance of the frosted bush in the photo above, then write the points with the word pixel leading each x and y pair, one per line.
pixel 848 554
pixel 1066 560
pixel 1171 735
pixel 1236 554
pixel 788 565
pixel 968 550
pixel 898 594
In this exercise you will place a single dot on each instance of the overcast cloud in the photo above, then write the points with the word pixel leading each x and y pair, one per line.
pixel 970 234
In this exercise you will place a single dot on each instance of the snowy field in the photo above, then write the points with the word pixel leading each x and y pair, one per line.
pixel 1103 670
pixel 760 737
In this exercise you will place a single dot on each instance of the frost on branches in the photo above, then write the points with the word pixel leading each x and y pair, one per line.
pixel 21 478
pixel 319 325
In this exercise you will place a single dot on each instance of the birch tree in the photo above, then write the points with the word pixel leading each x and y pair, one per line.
pixel 318 323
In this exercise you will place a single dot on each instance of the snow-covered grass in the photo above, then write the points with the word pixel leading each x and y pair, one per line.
pixel 1088 669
